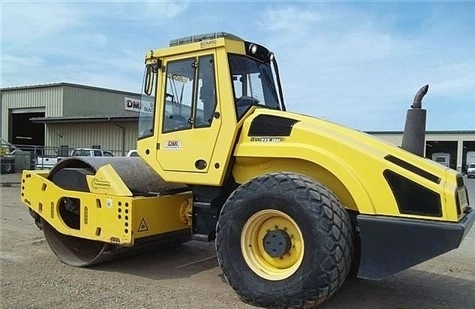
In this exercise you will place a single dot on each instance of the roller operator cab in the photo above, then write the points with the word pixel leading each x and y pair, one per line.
pixel 293 202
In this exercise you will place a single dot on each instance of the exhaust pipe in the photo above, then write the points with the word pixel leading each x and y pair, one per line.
pixel 413 139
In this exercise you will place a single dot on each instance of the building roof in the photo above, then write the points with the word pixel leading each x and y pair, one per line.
pixel 427 132
pixel 85 119
pixel 62 84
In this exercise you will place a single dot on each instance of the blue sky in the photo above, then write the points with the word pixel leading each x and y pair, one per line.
pixel 355 63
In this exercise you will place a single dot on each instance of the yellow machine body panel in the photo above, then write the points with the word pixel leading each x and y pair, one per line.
pixel 105 217
pixel 176 155
pixel 350 162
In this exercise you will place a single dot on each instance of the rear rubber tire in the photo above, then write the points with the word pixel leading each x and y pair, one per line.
pixel 311 214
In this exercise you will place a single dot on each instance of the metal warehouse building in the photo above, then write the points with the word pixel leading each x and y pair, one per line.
pixel 453 146
pixel 65 116
pixel 69 116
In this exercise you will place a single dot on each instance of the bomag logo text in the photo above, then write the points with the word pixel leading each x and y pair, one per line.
pixel 206 44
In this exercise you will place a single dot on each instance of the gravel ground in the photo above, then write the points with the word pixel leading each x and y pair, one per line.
pixel 189 276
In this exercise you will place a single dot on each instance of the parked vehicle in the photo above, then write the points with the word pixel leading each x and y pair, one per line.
pixel 442 158
pixel 50 162
pixel 471 170
pixel 132 153
pixel 90 152
pixel 470 157
pixel 7 157
pixel 45 162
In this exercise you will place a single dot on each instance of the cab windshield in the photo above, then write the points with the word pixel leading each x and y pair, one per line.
pixel 253 84
pixel 252 80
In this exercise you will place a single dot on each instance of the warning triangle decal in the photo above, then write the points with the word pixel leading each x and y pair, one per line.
pixel 143 226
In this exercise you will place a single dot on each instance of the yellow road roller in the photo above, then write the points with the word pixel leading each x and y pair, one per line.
pixel 294 203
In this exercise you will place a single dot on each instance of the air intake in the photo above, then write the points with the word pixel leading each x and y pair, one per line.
pixel 413 139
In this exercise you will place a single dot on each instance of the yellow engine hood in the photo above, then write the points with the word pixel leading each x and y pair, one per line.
pixel 350 162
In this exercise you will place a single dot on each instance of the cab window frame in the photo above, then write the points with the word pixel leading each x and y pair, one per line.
pixel 173 122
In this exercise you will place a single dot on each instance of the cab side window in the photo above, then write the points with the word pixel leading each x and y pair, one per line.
pixel 190 99
pixel 179 95
pixel 206 98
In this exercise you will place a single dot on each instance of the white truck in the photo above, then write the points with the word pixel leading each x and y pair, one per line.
pixel 90 152
pixel 442 158
pixel 470 157
pixel 49 162
pixel 470 164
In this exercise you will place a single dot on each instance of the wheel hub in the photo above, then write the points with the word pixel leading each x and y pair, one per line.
pixel 272 244
pixel 277 243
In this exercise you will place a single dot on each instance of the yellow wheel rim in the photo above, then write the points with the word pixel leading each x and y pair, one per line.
pixel 255 247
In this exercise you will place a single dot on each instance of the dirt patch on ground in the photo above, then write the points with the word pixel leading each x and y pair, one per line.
pixel 189 277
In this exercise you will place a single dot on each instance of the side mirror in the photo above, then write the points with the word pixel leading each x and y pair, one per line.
pixel 150 72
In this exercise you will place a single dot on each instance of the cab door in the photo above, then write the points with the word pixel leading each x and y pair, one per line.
pixel 190 120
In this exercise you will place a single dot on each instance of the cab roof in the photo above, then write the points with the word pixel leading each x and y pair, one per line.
pixel 203 37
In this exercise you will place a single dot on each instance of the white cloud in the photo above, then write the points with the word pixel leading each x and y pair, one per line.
pixel 356 64
pixel 25 70
pixel 26 22
pixel 96 39
pixel 29 60
pixel 358 68
pixel 289 18
pixel 168 10
pixel 455 78
pixel 148 12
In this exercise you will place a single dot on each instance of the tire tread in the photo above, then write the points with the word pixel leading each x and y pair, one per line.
pixel 334 221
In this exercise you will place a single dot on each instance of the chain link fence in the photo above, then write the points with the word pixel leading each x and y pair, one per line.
pixel 15 158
